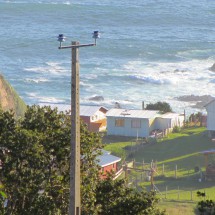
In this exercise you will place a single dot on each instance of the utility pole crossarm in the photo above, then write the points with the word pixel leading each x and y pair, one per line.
pixel 76 46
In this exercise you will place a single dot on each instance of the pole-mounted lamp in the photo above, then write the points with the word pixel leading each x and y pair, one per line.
pixel 75 199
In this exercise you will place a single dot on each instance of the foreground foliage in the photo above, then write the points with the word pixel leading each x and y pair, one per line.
pixel 35 154
pixel 205 207
pixel 116 198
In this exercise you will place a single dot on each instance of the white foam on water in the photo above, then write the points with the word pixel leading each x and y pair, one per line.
pixel 89 76
pixel 170 73
pixel 44 99
pixel 36 80
pixel 53 68
pixel 163 81
pixel 108 102
pixel 38 2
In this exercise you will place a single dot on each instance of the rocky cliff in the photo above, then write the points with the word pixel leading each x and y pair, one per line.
pixel 9 99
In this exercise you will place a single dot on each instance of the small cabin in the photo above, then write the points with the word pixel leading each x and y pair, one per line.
pixel 108 163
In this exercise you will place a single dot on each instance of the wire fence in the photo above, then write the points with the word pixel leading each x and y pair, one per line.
pixel 170 183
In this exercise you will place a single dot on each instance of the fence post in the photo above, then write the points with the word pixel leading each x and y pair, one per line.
pixel 191 195
pixel 204 195
pixel 176 171
pixel 126 172
pixel 178 193
pixel 136 181
pixel 163 169
pixel 166 193
pixel 133 163
pixel 143 164
pixel 152 164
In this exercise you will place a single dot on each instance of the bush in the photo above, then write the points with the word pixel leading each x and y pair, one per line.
pixel 176 129
pixel 196 169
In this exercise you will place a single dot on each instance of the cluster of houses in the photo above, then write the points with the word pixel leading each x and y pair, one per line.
pixel 132 123
pixel 124 122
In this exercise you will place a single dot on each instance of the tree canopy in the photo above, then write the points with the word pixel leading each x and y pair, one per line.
pixel 163 107
pixel 35 154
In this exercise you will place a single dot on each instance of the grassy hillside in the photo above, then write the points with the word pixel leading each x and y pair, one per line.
pixel 9 99
pixel 176 156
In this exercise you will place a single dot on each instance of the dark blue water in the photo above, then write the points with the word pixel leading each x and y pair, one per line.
pixel 149 50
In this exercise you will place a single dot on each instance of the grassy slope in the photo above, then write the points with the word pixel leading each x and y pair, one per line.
pixel 11 98
pixel 181 149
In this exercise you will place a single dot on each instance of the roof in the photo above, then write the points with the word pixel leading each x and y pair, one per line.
pixel 170 115
pixel 84 109
pixel 209 103
pixel 91 110
pixel 107 159
pixel 146 114
pixel 211 151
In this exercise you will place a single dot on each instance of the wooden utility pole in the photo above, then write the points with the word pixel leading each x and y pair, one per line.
pixel 75 199
pixel 75 179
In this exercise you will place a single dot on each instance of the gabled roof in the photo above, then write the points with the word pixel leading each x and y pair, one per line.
pixel 210 151
pixel 91 110
pixel 143 114
pixel 209 102
pixel 107 159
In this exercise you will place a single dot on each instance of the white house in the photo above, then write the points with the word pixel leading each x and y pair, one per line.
pixel 210 108
pixel 140 123
pixel 131 122
pixel 169 121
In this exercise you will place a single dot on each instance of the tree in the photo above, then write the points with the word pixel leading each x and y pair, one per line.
pixel 205 206
pixel 35 154
pixel 115 197
pixel 163 107
pixel 196 118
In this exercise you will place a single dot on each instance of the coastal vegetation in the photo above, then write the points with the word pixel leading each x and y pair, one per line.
pixel 35 154
pixel 163 107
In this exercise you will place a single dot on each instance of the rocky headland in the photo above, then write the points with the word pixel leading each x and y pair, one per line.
pixel 200 101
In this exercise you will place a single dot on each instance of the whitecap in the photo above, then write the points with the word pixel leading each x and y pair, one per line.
pixel 51 67
pixel 38 80
pixel 44 99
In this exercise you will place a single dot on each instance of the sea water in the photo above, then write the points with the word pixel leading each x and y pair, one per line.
pixel 149 50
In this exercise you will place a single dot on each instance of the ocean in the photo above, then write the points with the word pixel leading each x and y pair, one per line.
pixel 149 50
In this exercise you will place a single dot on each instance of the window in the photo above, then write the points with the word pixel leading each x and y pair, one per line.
pixel 119 122
pixel 135 123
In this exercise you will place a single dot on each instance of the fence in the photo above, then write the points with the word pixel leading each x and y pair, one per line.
pixel 170 183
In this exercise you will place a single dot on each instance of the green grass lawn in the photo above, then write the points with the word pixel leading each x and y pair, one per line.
pixel 178 208
pixel 178 149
